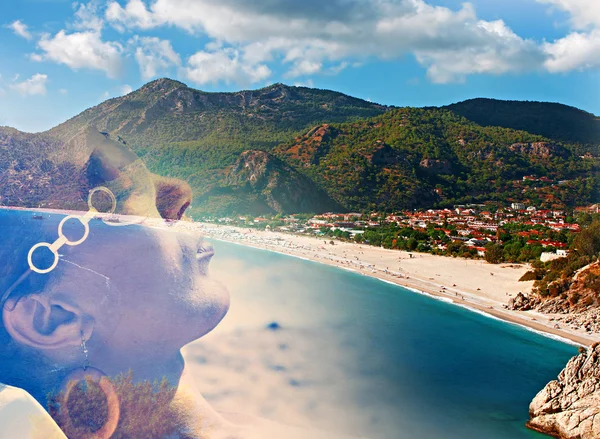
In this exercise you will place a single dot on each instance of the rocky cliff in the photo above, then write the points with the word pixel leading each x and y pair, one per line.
pixel 259 182
pixel 572 300
pixel 539 149
pixel 569 407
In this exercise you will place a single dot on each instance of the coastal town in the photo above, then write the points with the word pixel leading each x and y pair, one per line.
pixel 411 249
pixel 464 230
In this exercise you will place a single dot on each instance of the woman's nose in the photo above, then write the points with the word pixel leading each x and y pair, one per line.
pixel 173 197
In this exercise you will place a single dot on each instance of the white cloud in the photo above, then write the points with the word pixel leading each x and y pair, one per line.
pixel 63 91
pixel 307 83
pixel 499 51
pixel 575 51
pixel 125 90
pixel 134 15
pixel 86 17
pixel 223 66
pixel 81 50
pixel 334 70
pixel 20 29
pixel 154 56
pixel 304 68
pixel 584 13
pixel 313 37
pixel 36 85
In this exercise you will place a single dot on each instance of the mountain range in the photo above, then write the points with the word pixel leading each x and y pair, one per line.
pixel 296 149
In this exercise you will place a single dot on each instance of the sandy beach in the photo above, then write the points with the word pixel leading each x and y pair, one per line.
pixel 471 283
pixel 315 375
pixel 474 284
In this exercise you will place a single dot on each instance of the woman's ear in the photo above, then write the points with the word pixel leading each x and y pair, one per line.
pixel 45 323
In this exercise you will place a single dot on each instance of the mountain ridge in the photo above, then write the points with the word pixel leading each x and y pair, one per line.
pixel 544 118
pixel 424 155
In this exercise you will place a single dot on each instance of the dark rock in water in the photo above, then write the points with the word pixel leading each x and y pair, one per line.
pixel 274 326
pixel 569 407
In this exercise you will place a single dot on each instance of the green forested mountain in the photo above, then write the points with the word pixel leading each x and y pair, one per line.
pixel 296 149
pixel 194 135
pixel 432 157
pixel 551 120
pixel 261 183
pixel 181 131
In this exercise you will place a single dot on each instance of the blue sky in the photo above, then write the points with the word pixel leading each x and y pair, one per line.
pixel 59 57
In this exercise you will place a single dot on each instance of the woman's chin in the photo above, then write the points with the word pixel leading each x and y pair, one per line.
pixel 207 308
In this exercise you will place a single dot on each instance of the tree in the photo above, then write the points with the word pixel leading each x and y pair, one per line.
pixel 412 244
pixel 494 253
pixel 587 242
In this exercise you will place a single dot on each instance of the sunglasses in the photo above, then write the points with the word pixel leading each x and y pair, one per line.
pixel 54 247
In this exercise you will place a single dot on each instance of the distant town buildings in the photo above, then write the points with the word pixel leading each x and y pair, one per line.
pixel 474 226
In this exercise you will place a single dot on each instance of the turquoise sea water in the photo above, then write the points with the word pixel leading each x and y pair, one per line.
pixel 418 368
pixel 436 370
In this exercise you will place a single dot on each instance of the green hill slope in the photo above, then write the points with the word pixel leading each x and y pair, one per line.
pixel 186 133
pixel 178 128
pixel 286 149
pixel 408 158
pixel 551 120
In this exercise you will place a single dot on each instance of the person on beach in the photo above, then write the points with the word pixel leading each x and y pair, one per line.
pixel 95 313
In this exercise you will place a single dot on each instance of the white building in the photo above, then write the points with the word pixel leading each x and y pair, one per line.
pixel 549 256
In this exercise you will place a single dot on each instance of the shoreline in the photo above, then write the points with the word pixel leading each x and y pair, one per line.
pixel 529 320
pixel 424 280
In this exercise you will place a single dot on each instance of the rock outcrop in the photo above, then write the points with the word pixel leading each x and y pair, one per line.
pixel 539 149
pixel 574 301
pixel 308 150
pixel 587 320
pixel 276 185
pixel 436 166
pixel 569 407
pixel 521 302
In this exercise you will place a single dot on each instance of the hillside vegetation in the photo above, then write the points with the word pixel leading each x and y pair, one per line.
pixel 410 158
pixel 196 136
pixel 295 149
pixel 551 120
pixel 180 131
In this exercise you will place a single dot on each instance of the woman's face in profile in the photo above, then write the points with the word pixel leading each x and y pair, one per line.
pixel 146 289
pixel 164 296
